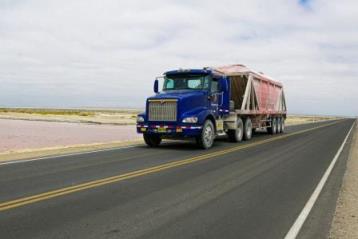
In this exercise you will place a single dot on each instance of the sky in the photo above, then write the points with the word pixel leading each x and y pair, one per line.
pixel 86 53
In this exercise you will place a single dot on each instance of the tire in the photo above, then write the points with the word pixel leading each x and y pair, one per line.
pixel 248 129
pixel 152 140
pixel 282 125
pixel 237 134
pixel 273 128
pixel 279 121
pixel 206 139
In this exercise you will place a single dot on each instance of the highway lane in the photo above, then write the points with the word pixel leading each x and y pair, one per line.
pixel 24 179
pixel 252 192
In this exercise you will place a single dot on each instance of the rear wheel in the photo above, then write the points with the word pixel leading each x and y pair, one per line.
pixel 279 122
pixel 273 128
pixel 206 139
pixel 237 134
pixel 152 140
pixel 248 129
pixel 282 125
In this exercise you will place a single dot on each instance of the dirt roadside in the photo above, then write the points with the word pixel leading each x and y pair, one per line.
pixel 345 221
pixel 110 117
pixel 58 151
pixel 306 119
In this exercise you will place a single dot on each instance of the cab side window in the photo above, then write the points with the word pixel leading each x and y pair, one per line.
pixel 214 86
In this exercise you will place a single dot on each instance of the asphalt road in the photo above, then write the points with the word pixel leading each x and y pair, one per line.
pixel 254 189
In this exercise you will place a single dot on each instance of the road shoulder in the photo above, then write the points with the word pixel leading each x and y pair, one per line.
pixel 345 221
pixel 65 150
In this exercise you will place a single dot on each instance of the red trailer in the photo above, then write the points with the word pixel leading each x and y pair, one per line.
pixel 256 101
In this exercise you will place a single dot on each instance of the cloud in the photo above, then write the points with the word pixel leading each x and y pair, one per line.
pixel 107 53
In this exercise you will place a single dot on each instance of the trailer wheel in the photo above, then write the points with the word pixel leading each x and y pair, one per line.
pixel 274 125
pixel 248 129
pixel 282 125
pixel 279 124
pixel 237 134
pixel 206 139
pixel 152 140
pixel 272 129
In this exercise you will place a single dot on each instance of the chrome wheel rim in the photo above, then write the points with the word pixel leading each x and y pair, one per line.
pixel 208 135
pixel 249 129
pixel 283 125
pixel 238 132
pixel 278 125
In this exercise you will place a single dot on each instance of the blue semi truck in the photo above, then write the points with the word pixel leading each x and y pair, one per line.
pixel 205 103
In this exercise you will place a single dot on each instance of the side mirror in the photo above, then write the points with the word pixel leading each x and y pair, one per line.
pixel 223 85
pixel 156 86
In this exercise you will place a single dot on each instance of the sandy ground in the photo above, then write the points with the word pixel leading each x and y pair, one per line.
pixel 18 135
pixel 345 222
pixel 304 119
pixel 124 117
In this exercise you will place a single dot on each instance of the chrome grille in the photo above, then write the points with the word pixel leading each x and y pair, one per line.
pixel 162 110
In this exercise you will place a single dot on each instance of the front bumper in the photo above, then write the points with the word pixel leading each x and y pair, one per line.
pixel 170 130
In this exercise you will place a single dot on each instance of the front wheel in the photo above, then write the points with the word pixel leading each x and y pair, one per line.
pixel 152 140
pixel 206 139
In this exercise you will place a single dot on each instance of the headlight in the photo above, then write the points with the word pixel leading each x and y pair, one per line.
pixel 140 119
pixel 190 120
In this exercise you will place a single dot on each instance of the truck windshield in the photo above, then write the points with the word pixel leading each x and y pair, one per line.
pixel 186 82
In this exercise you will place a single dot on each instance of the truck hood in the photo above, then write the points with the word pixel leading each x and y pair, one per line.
pixel 179 94
pixel 188 99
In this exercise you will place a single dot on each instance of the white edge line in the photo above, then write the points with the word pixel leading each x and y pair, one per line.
pixel 296 227
pixel 66 155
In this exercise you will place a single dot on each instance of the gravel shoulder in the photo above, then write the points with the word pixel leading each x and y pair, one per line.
pixel 306 119
pixel 65 150
pixel 345 221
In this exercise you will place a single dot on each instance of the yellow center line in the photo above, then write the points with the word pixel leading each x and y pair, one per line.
pixel 96 183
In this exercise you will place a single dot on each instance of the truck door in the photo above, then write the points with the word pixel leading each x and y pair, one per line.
pixel 215 97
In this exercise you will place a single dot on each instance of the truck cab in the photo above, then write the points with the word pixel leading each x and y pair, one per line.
pixel 189 105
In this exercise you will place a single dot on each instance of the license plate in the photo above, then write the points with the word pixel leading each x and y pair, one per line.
pixel 162 130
